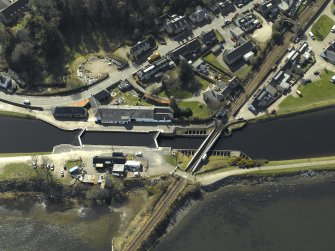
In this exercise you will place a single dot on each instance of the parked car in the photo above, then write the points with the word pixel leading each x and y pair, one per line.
pixel 333 79
pixel 101 178
pixel 311 35
pixel 139 154
pixel 62 173
pixel 316 73
pixel 239 118
pixel 26 102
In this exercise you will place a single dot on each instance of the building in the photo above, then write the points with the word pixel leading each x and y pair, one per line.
pixel 119 170
pixel 10 13
pixel 133 165
pixel 329 53
pixel 133 114
pixel 226 7
pixel 69 113
pixel 269 9
pixel 7 83
pixel 232 56
pixel 108 161
pixel 139 49
pixel 236 33
pixel 103 97
pixel 176 24
pixel 265 98
pixel 190 50
pixel 209 38
pixel 155 69
pixel 200 15
pixel 125 86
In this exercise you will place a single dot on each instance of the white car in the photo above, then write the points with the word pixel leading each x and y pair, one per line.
pixel 333 79
pixel 239 118
pixel 101 178
pixel 139 154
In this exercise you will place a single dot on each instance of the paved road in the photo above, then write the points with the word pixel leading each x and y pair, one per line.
pixel 49 102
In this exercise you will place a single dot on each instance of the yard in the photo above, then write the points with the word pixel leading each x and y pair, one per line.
pixel 317 94
pixel 17 171
pixel 322 27
pixel 127 98
pixel 243 71
pixel 212 60
pixel 199 110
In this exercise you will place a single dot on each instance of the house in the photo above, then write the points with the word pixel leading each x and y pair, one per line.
pixel 269 9
pixel 247 22
pixel 280 81
pixel 176 24
pixel 190 50
pixel 200 15
pixel 7 83
pixel 236 33
pixel 139 49
pixel 108 161
pixel 69 113
pixel 129 114
pixel 226 7
pixel 124 86
pixel 329 53
pixel 209 38
pixel 265 97
pixel 103 97
pixel 11 13
pixel 232 56
pixel 153 70
pixel 119 170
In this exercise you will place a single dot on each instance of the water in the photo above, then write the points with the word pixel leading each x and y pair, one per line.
pixel 80 228
pixel 288 215
pixel 302 136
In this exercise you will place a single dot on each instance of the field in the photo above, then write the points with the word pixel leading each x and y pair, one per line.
pixel 317 94
pixel 322 27
pixel 199 110
pixel 17 171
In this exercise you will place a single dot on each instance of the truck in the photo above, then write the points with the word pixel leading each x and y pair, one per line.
pixel 154 57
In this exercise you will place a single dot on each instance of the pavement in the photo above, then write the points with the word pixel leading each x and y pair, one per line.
pixel 51 101
pixel 209 179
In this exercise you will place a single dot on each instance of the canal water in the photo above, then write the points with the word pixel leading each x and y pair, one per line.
pixel 295 214
pixel 302 136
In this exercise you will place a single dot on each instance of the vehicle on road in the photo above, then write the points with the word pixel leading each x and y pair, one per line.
pixel 26 102
pixel 299 93
pixel 239 118
pixel 62 173
pixel 204 157
pixel 152 58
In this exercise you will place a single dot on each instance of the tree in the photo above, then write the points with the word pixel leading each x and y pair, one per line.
pixel 186 74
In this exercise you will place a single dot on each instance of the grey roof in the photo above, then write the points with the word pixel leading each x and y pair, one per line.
pixel 189 47
pixel 270 89
pixel 231 56
pixel 103 95
pixel 69 110
pixel 127 113
pixel 329 53
pixel 18 6
pixel 209 37
pixel 118 168
pixel 139 46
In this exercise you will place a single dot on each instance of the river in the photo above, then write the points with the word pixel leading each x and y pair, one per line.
pixel 293 214
pixel 301 136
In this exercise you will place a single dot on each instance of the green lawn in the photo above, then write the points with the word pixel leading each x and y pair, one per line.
pixel 317 94
pixel 322 27
pixel 203 83
pixel 243 72
pixel 212 60
pixel 219 36
pixel 129 99
pixel 297 161
pixel 216 162
pixel 199 110
pixel 17 171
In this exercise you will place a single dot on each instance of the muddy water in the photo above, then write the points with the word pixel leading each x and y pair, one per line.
pixel 80 228
pixel 294 214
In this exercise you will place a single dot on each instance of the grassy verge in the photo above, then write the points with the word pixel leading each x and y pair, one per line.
pixel 314 95
pixel 274 172
pixel 297 161
pixel 322 27
pixel 199 110
pixel 16 115
pixel 203 83
pixel 215 162
pixel 219 36
pixel 243 72
pixel 212 60
pixel 2 155
pixel 17 171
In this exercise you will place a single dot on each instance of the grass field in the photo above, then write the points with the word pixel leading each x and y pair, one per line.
pixel 212 60
pixel 17 171
pixel 219 36
pixel 322 27
pixel 317 94
pixel 203 83
pixel 16 115
pixel 199 110
pixel 216 162
pixel 243 72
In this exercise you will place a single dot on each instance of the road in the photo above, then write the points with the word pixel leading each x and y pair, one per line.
pixel 51 101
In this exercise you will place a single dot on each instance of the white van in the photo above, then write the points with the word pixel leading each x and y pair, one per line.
pixel 299 93
pixel 311 35
pixel 333 29
pixel 26 102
